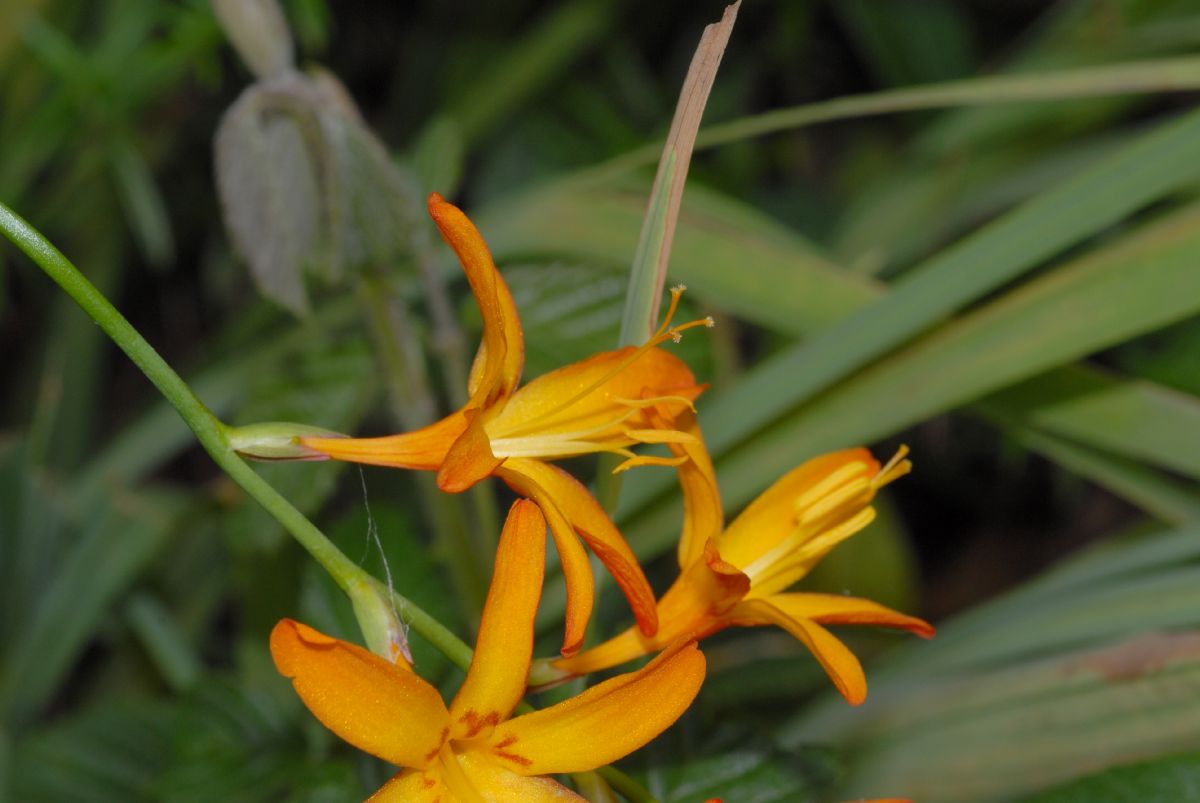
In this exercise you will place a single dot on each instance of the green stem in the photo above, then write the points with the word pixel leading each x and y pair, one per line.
pixel 633 791
pixel 208 429
pixel 211 434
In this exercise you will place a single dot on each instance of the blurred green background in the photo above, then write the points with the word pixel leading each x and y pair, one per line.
pixel 1008 285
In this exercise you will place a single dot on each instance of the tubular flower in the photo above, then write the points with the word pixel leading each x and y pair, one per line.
pixel 738 575
pixel 472 751
pixel 606 403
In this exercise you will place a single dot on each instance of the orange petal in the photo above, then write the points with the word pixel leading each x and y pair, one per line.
pixel 592 524
pixel 372 704
pixel 695 606
pixel 836 609
pixel 771 517
pixel 576 568
pixel 606 722
pixel 703 516
pixel 502 352
pixel 469 459
pixel 622 647
pixel 835 657
pixel 588 394
pixel 496 679
pixel 424 448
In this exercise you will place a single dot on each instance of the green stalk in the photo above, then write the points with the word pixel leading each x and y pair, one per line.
pixel 209 431
pixel 633 791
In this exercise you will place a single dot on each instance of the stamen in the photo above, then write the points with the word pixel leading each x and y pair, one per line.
pixel 828 485
pixel 803 547
pixel 830 538
pixel 456 779
pixel 649 460
pixel 660 436
pixel 676 294
pixel 618 368
pixel 837 499
pixel 652 401
pixel 663 333
pixel 894 469
pixel 516 434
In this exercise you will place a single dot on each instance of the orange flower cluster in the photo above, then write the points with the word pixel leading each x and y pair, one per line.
pixel 474 749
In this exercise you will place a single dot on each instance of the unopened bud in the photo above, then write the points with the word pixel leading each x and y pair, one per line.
pixel 377 618
pixel 276 440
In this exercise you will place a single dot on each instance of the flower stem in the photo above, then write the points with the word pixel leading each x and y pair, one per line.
pixel 633 791
pixel 208 429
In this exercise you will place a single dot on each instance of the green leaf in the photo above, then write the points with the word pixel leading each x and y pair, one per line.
pixel 1138 419
pixel 741 776
pixel 910 42
pixel 997 253
pixel 76 593
pixel 438 157
pixel 531 63
pixel 111 753
pixel 1165 780
pixel 145 208
pixel 163 639
pixel 651 254
pixel 1150 490
pixel 995 735
pixel 792 287
pixel 240 745
pixel 1143 281
pixel 569 312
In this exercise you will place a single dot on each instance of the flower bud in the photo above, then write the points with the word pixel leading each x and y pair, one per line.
pixel 276 440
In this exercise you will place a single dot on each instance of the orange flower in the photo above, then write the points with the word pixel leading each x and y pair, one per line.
pixel 736 575
pixel 473 751
pixel 606 403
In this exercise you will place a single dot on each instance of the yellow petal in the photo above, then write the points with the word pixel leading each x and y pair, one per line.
pixel 386 711
pixel 502 353
pixel 604 723
pixel 469 459
pixel 558 488
pixel 589 393
pixel 576 568
pixel 497 783
pixel 835 609
pixel 424 448
pixel 412 786
pixel 835 657
pixel 772 517
pixel 496 679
